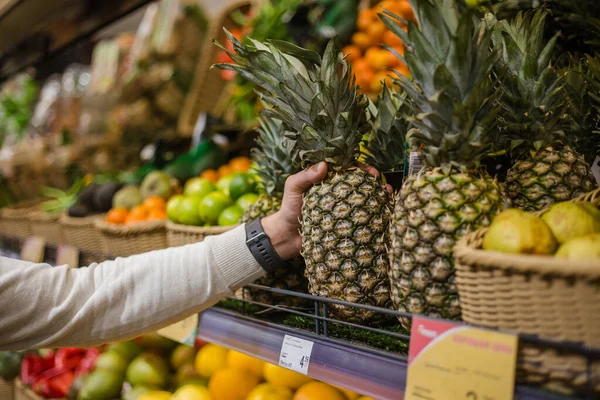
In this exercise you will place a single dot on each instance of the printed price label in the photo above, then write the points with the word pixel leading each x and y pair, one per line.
pixel 295 354
pixel 33 249
pixel 67 255
pixel 447 361
pixel 184 331
pixel 596 169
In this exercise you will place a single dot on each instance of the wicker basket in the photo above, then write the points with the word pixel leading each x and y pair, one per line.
pixel 7 390
pixel 208 85
pixel 81 233
pixel 180 235
pixel 46 225
pixel 127 240
pixel 539 295
pixel 15 219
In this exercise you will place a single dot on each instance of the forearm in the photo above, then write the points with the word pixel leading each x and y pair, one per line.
pixel 41 306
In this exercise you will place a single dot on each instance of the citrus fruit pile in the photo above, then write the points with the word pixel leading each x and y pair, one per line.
pixel 217 197
pixel 370 61
pixel 153 208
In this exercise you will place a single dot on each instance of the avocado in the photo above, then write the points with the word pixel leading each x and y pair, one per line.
pixel 78 211
pixel 104 195
pixel 86 196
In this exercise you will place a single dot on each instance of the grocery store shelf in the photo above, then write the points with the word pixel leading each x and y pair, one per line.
pixel 32 31
pixel 371 372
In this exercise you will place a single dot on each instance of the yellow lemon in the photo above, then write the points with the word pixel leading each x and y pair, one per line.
pixel 209 359
pixel 155 395
pixel 231 384
pixel 284 377
pixel 191 392
pixel 318 391
pixel 244 362
pixel 268 391
pixel 350 395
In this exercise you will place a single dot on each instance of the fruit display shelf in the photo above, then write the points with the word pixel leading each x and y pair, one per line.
pixel 367 359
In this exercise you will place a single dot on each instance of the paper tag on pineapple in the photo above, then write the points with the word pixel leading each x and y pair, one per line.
pixel 295 354
pixel 448 361
pixel 596 169
pixel 416 163
pixel 67 255
pixel 183 331
pixel 33 249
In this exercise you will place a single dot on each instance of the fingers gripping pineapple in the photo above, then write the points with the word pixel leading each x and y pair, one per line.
pixel 273 165
pixel 536 117
pixel 452 114
pixel 345 218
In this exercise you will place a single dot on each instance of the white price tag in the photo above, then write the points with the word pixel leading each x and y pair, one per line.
pixel 596 169
pixel 295 354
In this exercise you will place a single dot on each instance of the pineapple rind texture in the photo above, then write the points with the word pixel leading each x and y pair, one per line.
pixel 554 174
pixel 432 211
pixel 344 233
pixel 264 206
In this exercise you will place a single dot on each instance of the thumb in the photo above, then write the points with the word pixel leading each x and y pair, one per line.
pixel 303 180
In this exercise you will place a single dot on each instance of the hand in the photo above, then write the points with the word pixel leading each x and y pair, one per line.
pixel 283 227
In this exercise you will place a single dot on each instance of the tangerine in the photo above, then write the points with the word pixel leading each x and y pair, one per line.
pixel 117 215
pixel 232 384
pixel 210 174
pixel 155 202
pixel 137 214
pixel 224 170
pixel 405 10
pixel 377 82
pixel 362 40
pixel 156 214
pixel 240 164
pixel 318 391
pixel 376 31
pixel 391 39
pixel 352 53
pixel 377 58
pixel 365 18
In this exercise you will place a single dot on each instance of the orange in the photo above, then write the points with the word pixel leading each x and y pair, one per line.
pixel 403 69
pixel 155 202
pixel 231 384
pixel 376 31
pixel 210 174
pixel 318 391
pixel 377 58
pixel 362 40
pixel 117 215
pixel 244 362
pixel 406 11
pixel 391 39
pixel 240 164
pixel 365 18
pixel 224 170
pixel 352 53
pixel 137 214
pixel 376 83
pixel 350 395
pixel 364 80
pixel 280 376
pixel 157 214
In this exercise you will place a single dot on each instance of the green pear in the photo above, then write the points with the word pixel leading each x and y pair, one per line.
pixel 570 220
pixel 581 248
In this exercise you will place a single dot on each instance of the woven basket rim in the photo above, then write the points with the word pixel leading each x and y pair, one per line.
pixel 468 253
pixel 129 230
pixel 202 230
pixel 43 216
pixel 72 221
pixel 20 210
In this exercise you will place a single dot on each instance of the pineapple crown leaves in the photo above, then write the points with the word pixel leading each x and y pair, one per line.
pixel 272 157
pixel 385 144
pixel 534 108
pixel 452 104
pixel 315 97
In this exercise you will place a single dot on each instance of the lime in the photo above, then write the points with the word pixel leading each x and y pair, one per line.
pixel 199 187
pixel 136 392
pixel 212 206
pixel 101 384
pixel 223 184
pixel 173 208
pixel 182 355
pixel 129 350
pixel 112 360
pixel 231 215
pixel 247 200
pixel 187 212
pixel 148 369
pixel 241 184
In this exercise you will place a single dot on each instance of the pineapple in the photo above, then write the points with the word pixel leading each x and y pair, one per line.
pixel 274 165
pixel 536 118
pixel 453 115
pixel 345 218
pixel 385 144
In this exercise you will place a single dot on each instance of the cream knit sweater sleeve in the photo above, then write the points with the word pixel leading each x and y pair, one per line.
pixel 44 306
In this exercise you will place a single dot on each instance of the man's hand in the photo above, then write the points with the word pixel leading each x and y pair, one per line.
pixel 283 227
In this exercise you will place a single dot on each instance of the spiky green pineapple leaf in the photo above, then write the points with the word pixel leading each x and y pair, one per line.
pixel 315 96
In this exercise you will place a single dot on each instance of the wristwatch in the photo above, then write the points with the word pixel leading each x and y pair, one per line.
pixel 261 248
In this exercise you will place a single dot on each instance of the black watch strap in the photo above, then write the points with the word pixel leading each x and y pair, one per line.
pixel 260 246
